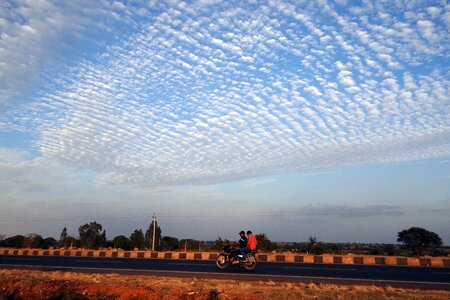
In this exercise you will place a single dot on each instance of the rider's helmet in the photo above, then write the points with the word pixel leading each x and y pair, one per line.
pixel 242 232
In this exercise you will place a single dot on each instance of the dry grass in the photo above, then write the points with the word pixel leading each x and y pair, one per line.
pixel 17 284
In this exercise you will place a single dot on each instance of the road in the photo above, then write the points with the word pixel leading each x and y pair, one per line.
pixel 395 276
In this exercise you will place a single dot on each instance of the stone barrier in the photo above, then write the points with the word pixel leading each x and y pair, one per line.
pixel 426 261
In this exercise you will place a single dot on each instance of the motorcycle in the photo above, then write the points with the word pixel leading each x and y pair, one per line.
pixel 225 259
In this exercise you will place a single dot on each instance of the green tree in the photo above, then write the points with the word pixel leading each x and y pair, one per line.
pixel 169 243
pixel 189 244
pixel 220 243
pixel 48 242
pixel 418 239
pixel 16 241
pixel 72 242
pixel 33 240
pixel 122 242
pixel 314 246
pixel 264 243
pixel 149 236
pixel 137 239
pixel 389 249
pixel 335 248
pixel 91 235
pixel 102 241
pixel 63 238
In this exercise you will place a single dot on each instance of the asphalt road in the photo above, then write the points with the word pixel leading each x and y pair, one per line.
pixel 395 276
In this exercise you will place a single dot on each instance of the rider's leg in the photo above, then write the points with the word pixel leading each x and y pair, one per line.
pixel 234 253
pixel 245 251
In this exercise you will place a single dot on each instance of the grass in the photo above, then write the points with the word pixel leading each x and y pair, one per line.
pixel 17 284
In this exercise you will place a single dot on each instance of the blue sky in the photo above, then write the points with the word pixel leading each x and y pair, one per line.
pixel 293 118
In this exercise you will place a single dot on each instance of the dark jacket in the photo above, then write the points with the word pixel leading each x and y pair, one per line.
pixel 243 242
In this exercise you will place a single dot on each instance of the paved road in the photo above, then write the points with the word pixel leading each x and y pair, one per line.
pixel 396 276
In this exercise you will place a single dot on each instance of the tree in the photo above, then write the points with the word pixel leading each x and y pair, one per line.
pixel 48 242
pixel 137 239
pixel 16 241
pixel 72 242
pixel 389 249
pixel 264 243
pixel 189 244
pixel 314 246
pixel 102 240
pixel 149 235
pixel 32 240
pixel 220 243
pixel 91 235
pixel 122 242
pixel 418 239
pixel 169 243
pixel 63 238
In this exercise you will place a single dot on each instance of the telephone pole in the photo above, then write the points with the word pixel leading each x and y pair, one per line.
pixel 154 232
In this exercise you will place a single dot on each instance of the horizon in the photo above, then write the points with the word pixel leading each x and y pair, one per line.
pixel 110 239
pixel 290 118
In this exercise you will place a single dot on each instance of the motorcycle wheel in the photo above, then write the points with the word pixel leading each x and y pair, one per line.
pixel 222 262
pixel 251 265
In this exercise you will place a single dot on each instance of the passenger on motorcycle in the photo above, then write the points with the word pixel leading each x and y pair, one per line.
pixel 251 243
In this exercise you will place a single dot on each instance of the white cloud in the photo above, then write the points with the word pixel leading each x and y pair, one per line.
pixel 260 91
pixel 313 90
pixel 35 35
pixel 434 11
pixel 426 29
pixel 345 78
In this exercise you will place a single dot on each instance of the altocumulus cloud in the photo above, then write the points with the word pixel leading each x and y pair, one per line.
pixel 34 34
pixel 203 91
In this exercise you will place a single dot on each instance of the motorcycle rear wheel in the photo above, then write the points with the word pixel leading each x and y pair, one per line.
pixel 222 262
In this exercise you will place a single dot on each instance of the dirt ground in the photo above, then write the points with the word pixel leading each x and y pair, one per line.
pixel 36 285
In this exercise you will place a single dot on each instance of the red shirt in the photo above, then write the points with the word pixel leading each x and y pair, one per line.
pixel 251 242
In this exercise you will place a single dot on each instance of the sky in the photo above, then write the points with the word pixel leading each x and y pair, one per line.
pixel 291 118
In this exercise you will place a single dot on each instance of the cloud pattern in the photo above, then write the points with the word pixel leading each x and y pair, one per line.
pixel 35 35
pixel 208 91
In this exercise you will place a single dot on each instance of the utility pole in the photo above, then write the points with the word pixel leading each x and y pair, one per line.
pixel 154 232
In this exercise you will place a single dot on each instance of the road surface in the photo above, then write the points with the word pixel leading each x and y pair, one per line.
pixel 395 276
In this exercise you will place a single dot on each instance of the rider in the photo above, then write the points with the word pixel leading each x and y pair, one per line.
pixel 251 243
pixel 242 245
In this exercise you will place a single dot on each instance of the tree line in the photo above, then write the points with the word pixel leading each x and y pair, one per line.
pixel 415 241
pixel 93 236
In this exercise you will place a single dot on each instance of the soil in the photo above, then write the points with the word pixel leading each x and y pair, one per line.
pixel 37 285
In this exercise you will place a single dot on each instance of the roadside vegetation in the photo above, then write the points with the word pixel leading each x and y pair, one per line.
pixel 37 285
pixel 415 241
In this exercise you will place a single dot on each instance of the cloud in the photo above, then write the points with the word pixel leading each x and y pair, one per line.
pixel 22 176
pixel 345 212
pixel 426 29
pixel 23 43
pixel 434 11
pixel 37 36
pixel 257 182
pixel 345 78
pixel 206 93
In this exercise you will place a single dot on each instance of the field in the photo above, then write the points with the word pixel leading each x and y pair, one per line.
pixel 17 284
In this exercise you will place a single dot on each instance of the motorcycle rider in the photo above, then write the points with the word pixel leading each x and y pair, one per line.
pixel 242 245
pixel 251 244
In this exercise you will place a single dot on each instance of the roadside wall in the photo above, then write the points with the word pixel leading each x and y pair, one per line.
pixel 426 261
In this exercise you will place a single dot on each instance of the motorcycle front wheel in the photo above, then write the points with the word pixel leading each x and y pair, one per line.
pixel 251 264
pixel 222 262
